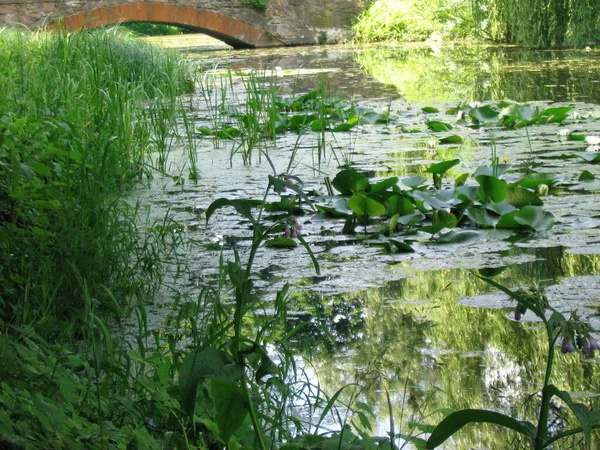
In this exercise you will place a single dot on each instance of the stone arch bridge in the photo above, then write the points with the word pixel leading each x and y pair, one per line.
pixel 283 22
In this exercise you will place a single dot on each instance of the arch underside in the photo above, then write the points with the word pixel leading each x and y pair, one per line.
pixel 232 31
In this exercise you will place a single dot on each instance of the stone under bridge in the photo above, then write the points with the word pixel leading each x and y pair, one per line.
pixel 283 22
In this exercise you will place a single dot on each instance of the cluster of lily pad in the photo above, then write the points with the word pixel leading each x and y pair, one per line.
pixel 315 111
pixel 489 198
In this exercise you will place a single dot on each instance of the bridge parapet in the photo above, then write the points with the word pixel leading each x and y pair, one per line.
pixel 284 22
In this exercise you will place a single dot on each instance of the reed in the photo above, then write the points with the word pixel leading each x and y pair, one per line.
pixel 75 135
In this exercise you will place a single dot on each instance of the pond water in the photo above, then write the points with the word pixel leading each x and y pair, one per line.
pixel 418 326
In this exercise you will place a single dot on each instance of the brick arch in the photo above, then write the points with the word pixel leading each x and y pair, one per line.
pixel 234 32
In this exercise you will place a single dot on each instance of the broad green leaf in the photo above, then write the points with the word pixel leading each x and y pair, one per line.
pixel 441 220
pixel 508 220
pixel 437 126
pixel 496 171
pixel 383 185
pixel 484 114
pixel 533 180
pixel 500 208
pixel 586 176
pixel 347 181
pixel 458 237
pixel 575 137
pixel 207 363
pixel 535 217
pixel 518 197
pixel 453 139
pixel 584 416
pixel 442 167
pixel 319 124
pixel 373 117
pixel 455 421
pixel 243 207
pixel 300 121
pixel 430 110
pixel 365 206
pixel 351 123
pixel 230 407
pixel 558 111
pixel 481 217
pixel 467 193
pixel 411 219
pixel 281 242
pixel 401 246
pixel 493 188
pixel 593 158
pixel 400 205
pixel 338 208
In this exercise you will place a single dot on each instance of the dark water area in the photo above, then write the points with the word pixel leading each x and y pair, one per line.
pixel 419 327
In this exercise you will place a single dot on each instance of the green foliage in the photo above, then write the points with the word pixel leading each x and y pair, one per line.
pixel 256 4
pixel 539 23
pixel 153 29
pixel 74 135
pixel 389 20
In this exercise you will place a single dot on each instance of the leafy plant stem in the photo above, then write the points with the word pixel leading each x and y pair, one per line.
pixel 542 428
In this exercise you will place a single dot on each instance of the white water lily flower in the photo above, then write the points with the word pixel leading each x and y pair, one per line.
pixel 592 140
pixel 564 132
pixel 593 149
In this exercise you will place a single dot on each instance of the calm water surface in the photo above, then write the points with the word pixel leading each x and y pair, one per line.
pixel 418 326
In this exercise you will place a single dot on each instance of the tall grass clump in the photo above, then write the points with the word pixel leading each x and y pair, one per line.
pixel 74 134
pixel 411 20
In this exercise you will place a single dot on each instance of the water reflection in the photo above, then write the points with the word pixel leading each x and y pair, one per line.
pixel 430 334
pixel 485 73
pixel 415 339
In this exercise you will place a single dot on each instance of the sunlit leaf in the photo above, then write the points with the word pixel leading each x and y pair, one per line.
pixel 442 167
pixel 383 185
pixel 455 421
pixel 452 139
pixel 493 188
pixel 518 197
pixel 351 123
pixel 400 205
pixel 430 110
pixel 437 126
pixel 365 206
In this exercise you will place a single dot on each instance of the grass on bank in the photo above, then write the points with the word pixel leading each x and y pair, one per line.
pixel 75 134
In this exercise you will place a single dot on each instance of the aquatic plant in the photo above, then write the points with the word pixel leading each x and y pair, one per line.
pixel 556 326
